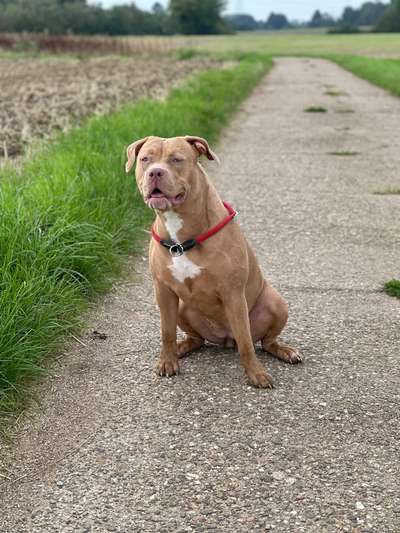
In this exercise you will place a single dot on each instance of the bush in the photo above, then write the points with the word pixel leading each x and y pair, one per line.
pixel 344 29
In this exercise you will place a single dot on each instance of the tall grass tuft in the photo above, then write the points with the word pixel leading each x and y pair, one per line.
pixel 70 216
pixel 392 287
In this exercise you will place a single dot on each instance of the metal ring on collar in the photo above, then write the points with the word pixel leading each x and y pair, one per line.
pixel 176 250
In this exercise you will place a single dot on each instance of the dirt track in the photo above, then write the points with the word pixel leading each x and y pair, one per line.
pixel 115 448
pixel 38 97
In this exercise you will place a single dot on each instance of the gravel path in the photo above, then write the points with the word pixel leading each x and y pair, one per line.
pixel 112 447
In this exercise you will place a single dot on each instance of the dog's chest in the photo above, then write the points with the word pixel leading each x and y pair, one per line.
pixel 181 267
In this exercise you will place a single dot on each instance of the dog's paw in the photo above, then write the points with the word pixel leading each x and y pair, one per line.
pixel 284 352
pixel 167 367
pixel 290 355
pixel 259 377
pixel 294 356
pixel 189 344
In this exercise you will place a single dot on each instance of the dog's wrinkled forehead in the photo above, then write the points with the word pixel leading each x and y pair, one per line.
pixel 188 148
pixel 160 148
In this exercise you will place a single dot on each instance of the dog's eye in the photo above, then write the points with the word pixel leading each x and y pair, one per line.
pixel 144 159
pixel 177 160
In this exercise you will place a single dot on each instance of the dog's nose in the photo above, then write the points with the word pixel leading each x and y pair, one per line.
pixel 157 173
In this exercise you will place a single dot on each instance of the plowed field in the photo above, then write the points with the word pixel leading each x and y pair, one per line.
pixel 40 96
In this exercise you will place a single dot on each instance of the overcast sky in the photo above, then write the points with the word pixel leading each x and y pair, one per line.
pixel 293 9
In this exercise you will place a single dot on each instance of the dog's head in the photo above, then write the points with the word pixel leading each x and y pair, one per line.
pixel 166 169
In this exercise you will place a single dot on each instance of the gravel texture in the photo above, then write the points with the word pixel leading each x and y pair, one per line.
pixel 112 447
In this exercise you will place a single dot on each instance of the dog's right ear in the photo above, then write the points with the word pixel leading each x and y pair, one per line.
pixel 132 152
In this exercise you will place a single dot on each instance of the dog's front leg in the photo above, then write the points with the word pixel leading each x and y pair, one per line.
pixel 168 302
pixel 237 313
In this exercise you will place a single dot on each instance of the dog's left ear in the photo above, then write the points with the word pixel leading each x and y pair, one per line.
pixel 202 147
pixel 132 152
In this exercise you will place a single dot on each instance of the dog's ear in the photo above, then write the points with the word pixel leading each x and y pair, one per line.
pixel 132 152
pixel 202 147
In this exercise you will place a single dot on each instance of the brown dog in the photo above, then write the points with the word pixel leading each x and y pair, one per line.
pixel 214 290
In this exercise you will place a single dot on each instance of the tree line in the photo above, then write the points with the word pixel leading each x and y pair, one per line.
pixel 378 15
pixel 181 16
pixel 77 16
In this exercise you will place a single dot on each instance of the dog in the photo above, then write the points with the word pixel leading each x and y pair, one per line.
pixel 206 277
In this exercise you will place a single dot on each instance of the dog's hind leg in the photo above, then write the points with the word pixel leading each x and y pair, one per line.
pixel 192 341
pixel 268 318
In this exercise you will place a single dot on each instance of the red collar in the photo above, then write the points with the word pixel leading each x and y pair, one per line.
pixel 176 249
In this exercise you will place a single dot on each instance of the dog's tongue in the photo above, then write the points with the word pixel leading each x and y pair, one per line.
pixel 157 194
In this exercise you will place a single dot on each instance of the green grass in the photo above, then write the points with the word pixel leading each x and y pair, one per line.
pixel 343 153
pixel 70 216
pixel 382 72
pixel 315 109
pixel 335 92
pixel 307 42
pixel 393 288
pixel 388 191
pixel 372 56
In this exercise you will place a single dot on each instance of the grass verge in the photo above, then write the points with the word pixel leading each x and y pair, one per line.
pixel 382 72
pixel 393 288
pixel 70 216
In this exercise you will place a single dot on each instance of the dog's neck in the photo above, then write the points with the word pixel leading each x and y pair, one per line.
pixel 202 210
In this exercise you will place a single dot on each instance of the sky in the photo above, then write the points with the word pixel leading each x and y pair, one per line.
pixel 260 9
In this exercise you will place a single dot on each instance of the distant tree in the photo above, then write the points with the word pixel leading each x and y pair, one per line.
pixel 158 9
pixel 80 16
pixel 316 19
pixel 370 13
pixel 128 20
pixel 321 20
pixel 34 16
pixel 161 23
pixel 242 22
pixel 390 21
pixel 349 17
pixel 197 16
pixel 62 2
pixel 367 15
pixel 277 21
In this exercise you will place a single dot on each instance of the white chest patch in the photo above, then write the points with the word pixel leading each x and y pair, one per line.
pixel 181 267
pixel 173 223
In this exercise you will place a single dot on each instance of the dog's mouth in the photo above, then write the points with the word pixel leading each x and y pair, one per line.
pixel 157 194
pixel 157 199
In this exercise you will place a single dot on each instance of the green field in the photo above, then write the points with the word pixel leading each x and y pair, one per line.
pixel 372 56
pixel 298 43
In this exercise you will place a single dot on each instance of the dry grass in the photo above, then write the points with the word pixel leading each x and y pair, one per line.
pixel 85 44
